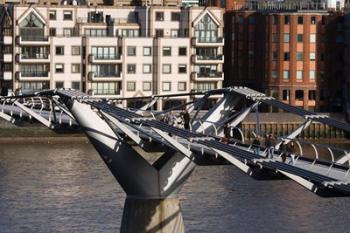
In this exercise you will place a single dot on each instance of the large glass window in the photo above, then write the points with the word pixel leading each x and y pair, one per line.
pixel 206 30
pixel 34 52
pixel 34 86
pixel 105 70
pixel 32 28
pixel 206 70
pixel 106 88
pixel 104 53
pixel 34 70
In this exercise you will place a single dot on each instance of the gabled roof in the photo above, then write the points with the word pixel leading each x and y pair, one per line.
pixel 34 11
pixel 211 15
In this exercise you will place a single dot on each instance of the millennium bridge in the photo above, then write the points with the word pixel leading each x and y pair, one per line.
pixel 152 203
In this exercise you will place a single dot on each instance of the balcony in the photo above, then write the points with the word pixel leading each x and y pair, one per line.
pixel 105 59
pixel 32 75
pixel 7 57
pixel 198 59
pixel 33 58
pixel 218 76
pixel 93 76
pixel 207 42
pixel 8 40
pixel 104 93
pixel 32 40
pixel 7 75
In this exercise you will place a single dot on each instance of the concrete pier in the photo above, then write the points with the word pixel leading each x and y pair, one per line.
pixel 152 216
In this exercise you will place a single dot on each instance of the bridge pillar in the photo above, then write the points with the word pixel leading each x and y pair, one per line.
pixel 152 203
pixel 152 215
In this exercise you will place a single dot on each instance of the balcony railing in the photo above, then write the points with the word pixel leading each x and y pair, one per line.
pixel 214 57
pixel 34 38
pixel 104 58
pixel 217 76
pixel 34 73
pixel 35 56
pixel 205 41
pixel 93 76
pixel 210 40
pixel 209 75
pixel 105 91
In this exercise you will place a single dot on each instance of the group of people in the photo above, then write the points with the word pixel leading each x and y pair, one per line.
pixel 286 148
pixel 182 121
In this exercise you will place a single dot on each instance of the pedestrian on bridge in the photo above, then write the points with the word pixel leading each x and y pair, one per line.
pixel 256 145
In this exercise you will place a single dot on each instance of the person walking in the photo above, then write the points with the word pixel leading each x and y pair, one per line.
pixel 186 117
pixel 256 145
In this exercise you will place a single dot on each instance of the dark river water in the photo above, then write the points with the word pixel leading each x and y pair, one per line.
pixel 67 188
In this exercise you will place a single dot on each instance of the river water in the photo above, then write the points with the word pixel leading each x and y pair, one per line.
pixel 67 188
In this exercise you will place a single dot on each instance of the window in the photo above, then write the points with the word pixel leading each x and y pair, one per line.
pixel 286 74
pixel 147 68
pixel 286 37
pixel 300 38
pixel 67 15
pixel 166 86
pixel 181 86
pixel 274 74
pixel 312 95
pixel 166 68
pixel 75 50
pixel 274 56
pixel 59 50
pixel 285 94
pixel 312 56
pixel 159 32
pixel 131 68
pixel 182 51
pixel 131 51
pixel 275 19
pixel 52 15
pixel 130 86
pixel 106 88
pixel 175 16
pixel 251 20
pixel 174 33
pixel 76 85
pixel 159 16
pixel 129 32
pixel 313 19
pixel 59 85
pixel 59 68
pixel 104 52
pixel 286 56
pixel 95 32
pixel 312 75
pixel 274 38
pixel 166 51
pixel 147 51
pixel 206 30
pixel 286 19
pixel 182 69
pixel 299 56
pixel 67 32
pixel 105 70
pixel 75 68
pixel 299 75
pixel 300 20
pixel 312 38
pixel 52 31
pixel 146 86
pixel 299 95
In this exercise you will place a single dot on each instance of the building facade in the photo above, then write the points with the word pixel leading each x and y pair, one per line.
pixel 112 51
pixel 295 56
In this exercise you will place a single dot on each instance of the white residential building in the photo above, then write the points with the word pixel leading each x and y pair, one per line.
pixel 112 51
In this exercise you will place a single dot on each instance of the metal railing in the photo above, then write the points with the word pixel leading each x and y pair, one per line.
pixel 34 73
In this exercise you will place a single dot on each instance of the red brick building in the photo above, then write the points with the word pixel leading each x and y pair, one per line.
pixel 293 55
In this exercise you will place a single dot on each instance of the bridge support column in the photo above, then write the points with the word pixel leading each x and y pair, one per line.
pixel 152 216
pixel 151 205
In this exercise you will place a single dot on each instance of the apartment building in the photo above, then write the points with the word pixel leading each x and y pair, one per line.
pixel 293 55
pixel 112 51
